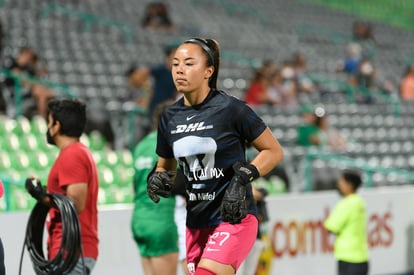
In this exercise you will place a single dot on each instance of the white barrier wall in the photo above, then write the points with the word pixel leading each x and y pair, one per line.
pixel 300 244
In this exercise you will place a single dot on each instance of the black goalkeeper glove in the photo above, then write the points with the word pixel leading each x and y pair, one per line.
pixel 233 207
pixel 160 183
pixel 35 189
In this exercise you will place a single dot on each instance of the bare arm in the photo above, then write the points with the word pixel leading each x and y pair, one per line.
pixel 78 192
pixel 270 152
pixel 164 165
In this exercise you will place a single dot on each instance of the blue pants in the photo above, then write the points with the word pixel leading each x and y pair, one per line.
pixel 79 268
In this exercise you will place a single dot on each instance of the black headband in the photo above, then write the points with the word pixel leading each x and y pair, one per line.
pixel 203 44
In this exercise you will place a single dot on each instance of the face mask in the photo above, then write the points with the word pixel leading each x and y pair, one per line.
pixel 49 138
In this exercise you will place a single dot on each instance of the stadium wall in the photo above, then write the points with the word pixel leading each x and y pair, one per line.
pixel 300 244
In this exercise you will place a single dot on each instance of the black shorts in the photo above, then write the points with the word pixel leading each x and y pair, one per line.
pixel 346 268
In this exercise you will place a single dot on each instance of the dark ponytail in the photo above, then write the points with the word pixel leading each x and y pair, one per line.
pixel 211 49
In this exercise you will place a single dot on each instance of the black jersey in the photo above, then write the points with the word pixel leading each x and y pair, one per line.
pixel 206 140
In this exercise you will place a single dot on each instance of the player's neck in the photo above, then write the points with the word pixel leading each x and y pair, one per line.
pixel 196 97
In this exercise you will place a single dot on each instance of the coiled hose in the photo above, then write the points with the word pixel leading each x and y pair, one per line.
pixel 71 246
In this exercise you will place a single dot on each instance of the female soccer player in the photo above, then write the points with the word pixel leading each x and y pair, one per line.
pixel 206 132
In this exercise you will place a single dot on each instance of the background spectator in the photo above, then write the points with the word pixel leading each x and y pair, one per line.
pixel 304 82
pixel 157 17
pixel 163 84
pixel 407 84
pixel 366 74
pixel 322 135
pixel 257 93
pixel 27 64
pixel 307 127
pixel 362 31
pixel 350 64
pixel 283 91
pixel 139 87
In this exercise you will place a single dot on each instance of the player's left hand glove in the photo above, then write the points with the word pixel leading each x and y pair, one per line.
pixel 233 207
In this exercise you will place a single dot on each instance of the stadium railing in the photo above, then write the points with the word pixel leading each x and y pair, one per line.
pixel 20 78
pixel 353 91
pixel 367 168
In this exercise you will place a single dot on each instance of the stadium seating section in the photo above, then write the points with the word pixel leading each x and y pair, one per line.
pixel 88 45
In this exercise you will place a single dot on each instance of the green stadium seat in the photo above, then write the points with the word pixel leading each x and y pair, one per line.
pixel 40 160
pixel 98 157
pixel 6 125
pixel 96 141
pixel 21 161
pixel 125 157
pixel 20 199
pixel 38 125
pixel 22 126
pixel 10 142
pixel 124 176
pixel 28 142
pixel 85 140
pixel 121 194
pixel 105 196
pixel 106 177
pixel 5 161
pixel 111 158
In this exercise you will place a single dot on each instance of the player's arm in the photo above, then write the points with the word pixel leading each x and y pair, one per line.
pixel 336 220
pixel 78 192
pixel 270 152
pixel 164 165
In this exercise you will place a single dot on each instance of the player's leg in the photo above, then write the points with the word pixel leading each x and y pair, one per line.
pixel 228 245
pixel 165 264
pixel 214 267
pixel 180 213
pixel 249 265
pixel 146 266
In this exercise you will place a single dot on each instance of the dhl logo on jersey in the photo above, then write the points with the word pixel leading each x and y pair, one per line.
pixel 192 127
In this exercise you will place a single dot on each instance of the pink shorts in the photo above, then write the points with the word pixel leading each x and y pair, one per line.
pixel 227 243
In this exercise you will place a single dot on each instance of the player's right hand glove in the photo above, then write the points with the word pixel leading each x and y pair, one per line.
pixel 160 183
pixel 35 189
pixel 233 207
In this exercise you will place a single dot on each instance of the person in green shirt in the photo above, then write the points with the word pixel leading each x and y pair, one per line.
pixel 153 226
pixel 307 128
pixel 348 221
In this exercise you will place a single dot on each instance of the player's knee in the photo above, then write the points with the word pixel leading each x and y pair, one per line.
pixel 204 271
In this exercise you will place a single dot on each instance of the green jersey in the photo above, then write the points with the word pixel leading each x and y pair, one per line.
pixel 152 223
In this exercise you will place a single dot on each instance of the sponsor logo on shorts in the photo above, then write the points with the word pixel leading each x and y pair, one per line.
pixel 209 249
pixel 191 268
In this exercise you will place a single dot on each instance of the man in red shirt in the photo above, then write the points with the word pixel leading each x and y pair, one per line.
pixel 74 174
